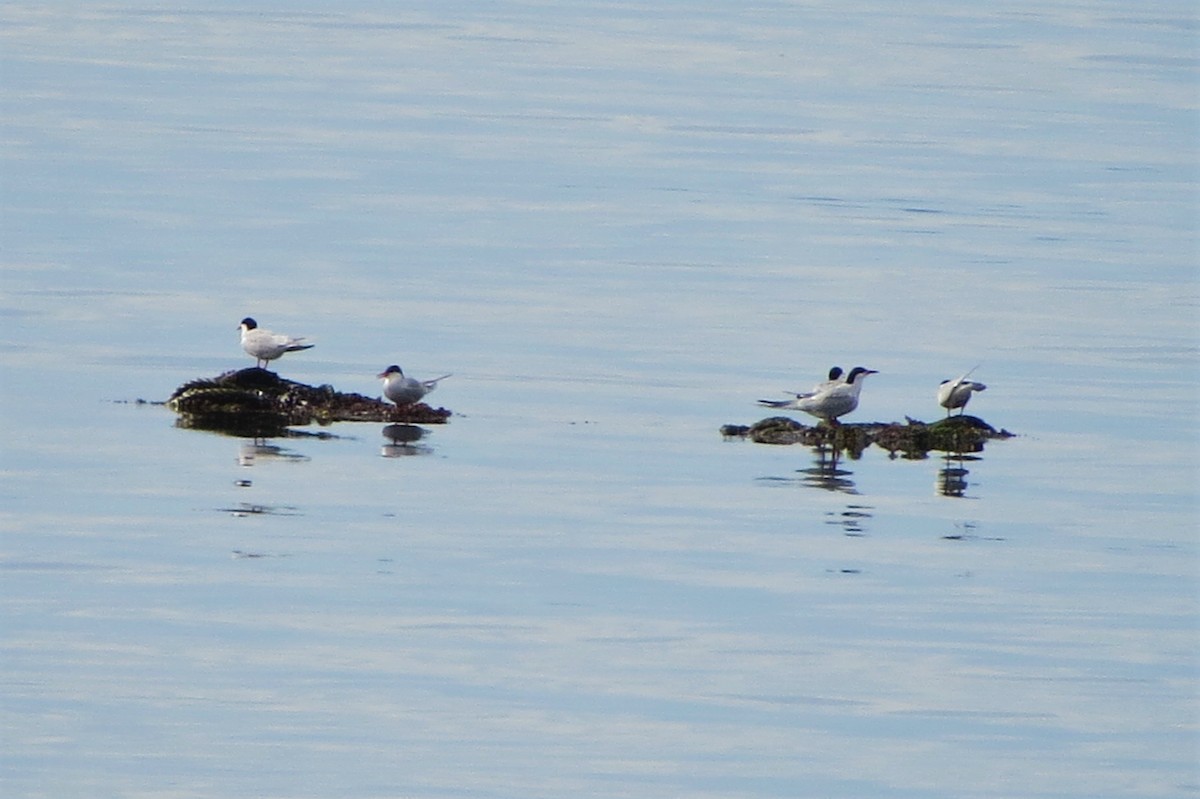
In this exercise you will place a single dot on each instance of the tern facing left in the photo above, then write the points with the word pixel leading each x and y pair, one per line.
pixel 837 400
pixel 957 393
pixel 265 345
pixel 405 390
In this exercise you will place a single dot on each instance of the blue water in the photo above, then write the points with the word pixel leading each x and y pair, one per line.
pixel 617 226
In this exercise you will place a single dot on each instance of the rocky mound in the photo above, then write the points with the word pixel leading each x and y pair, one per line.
pixel 257 402
pixel 913 439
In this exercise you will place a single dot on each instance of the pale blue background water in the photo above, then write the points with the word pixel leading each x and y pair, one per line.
pixel 618 225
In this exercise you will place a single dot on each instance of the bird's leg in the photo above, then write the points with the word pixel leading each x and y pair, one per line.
pixel 831 434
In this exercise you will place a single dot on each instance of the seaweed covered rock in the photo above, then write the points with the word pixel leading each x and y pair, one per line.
pixel 853 438
pixel 261 403
pixel 913 439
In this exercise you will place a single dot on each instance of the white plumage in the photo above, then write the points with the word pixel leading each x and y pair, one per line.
pixel 405 390
pixel 264 345
pixel 835 377
pixel 832 399
pixel 957 393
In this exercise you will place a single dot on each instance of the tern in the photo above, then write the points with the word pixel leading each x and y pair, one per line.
pixel 828 404
pixel 405 390
pixel 265 345
pixel 835 374
pixel 957 393
pixel 835 377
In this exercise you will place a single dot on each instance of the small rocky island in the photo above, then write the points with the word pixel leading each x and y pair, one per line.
pixel 913 439
pixel 257 402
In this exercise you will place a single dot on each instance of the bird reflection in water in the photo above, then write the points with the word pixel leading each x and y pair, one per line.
pixel 825 473
pixel 851 520
pixel 253 449
pixel 952 476
pixel 403 440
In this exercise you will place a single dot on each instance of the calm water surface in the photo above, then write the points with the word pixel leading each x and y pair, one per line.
pixel 618 226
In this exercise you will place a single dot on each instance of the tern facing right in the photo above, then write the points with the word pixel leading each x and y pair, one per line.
pixel 265 345
pixel 405 390
pixel 828 404
pixel 957 393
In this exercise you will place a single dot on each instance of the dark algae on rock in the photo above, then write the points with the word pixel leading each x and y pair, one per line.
pixel 257 402
pixel 957 434
pixel 913 439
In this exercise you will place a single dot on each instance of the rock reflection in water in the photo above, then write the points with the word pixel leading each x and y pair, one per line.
pixel 403 440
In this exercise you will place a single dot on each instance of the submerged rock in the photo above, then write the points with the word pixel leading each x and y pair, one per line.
pixel 261 403
pixel 913 439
